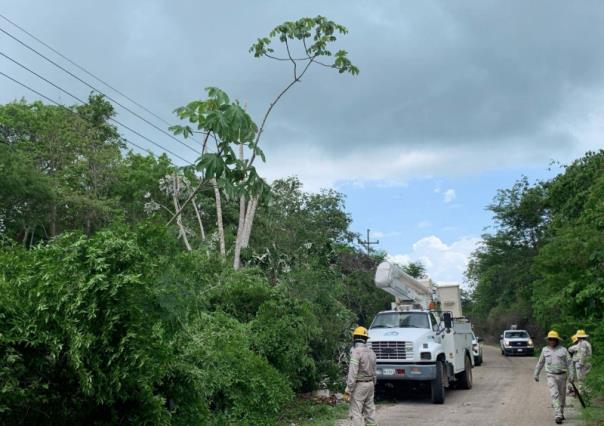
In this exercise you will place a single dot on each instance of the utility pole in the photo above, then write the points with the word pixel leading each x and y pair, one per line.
pixel 368 243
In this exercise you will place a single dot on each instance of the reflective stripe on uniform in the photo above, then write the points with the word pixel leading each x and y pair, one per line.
pixel 354 361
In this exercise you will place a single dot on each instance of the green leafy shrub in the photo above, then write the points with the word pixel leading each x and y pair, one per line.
pixel 80 338
pixel 231 383
pixel 240 293
pixel 282 332
pixel 89 335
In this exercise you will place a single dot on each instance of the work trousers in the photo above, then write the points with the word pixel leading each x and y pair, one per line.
pixel 362 407
pixel 582 370
pixel 557 391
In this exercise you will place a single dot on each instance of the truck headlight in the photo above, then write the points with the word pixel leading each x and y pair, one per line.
pixel 426 355
pixel 530 342
pixel 506 342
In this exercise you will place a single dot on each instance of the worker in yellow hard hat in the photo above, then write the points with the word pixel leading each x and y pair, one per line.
pixel 581 353
pixel 573 338
pixel 360 384
pixel 557 362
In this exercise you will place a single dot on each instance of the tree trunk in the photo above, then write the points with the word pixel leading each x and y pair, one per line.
pixel 219 216
pixel 25 236
pixel 249 221
pixel 181 227
pixel 53 220
pixel 201 230
pixel 241 225
pixel 240 233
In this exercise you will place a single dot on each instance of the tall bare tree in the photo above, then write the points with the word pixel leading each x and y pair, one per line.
pixel 304 43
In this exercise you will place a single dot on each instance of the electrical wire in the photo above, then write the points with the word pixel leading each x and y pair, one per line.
pixel 73 112
pixel 97 90
pixel 81 68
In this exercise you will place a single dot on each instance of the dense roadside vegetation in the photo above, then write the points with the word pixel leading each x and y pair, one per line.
pixel 542 266
pixel 107 316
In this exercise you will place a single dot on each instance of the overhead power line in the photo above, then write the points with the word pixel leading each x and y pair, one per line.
pixel 97 90
pixel 81 68
pixel 73 112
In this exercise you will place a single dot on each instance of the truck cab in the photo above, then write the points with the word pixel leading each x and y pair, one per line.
pixel 415 343
pixel 412 358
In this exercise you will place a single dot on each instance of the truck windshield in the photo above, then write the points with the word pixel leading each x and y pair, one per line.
pixel 516 335
pixel 401 320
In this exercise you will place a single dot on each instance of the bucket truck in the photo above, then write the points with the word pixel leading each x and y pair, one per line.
pixel 416 340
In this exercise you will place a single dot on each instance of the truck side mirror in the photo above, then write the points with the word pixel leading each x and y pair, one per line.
pixel 448 320
pixel 501 336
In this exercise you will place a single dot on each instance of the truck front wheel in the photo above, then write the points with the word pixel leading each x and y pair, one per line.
pixel 437 385
pixel 465 377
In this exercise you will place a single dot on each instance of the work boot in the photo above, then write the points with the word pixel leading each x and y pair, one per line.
pixel 559 420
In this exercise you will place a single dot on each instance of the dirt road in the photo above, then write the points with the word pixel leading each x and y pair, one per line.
pixel 504 393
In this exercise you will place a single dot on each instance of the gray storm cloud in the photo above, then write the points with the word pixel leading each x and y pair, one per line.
pixel 434 74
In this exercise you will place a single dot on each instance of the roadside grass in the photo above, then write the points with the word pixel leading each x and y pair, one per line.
pixel 308 412
pixel 594 414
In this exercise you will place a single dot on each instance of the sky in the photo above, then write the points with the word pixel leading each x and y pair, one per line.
pixel 454 100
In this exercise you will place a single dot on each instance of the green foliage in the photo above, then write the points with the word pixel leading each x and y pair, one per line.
pixel 62 166
pixel 282 332
pixel 543 265
pixel 501 269
pixel 241 294
pixel 415 269
pixel 93 338
pixel 82 338
pixel 232 383
pixel 104 319
pixel 316 35
pixel 228 125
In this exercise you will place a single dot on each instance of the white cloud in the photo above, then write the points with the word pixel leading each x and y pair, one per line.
pixel 449 195
pixel 443 262
pixel 394 166
pixel 382 234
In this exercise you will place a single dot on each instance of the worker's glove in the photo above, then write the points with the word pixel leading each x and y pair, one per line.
pixel 537 379
pixel 346 396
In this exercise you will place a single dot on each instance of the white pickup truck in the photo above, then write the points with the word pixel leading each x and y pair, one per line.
pixel 413 342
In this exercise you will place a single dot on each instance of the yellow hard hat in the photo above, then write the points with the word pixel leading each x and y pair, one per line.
pixel 574 338
pixel 581 334
pixel 360 331
pixel 553 335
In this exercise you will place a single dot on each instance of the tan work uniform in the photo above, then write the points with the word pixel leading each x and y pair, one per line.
pixel 558 364
pixel 581 355
pixel 361 384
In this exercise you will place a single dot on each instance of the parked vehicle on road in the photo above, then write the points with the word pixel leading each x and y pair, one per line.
pixel 416 343
pixel 477 349
pixel 516 342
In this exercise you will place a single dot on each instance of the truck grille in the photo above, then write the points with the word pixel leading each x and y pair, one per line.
pixel 392 350
pixel 524 343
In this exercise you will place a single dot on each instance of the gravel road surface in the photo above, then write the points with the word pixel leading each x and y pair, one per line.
pixel 504 393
